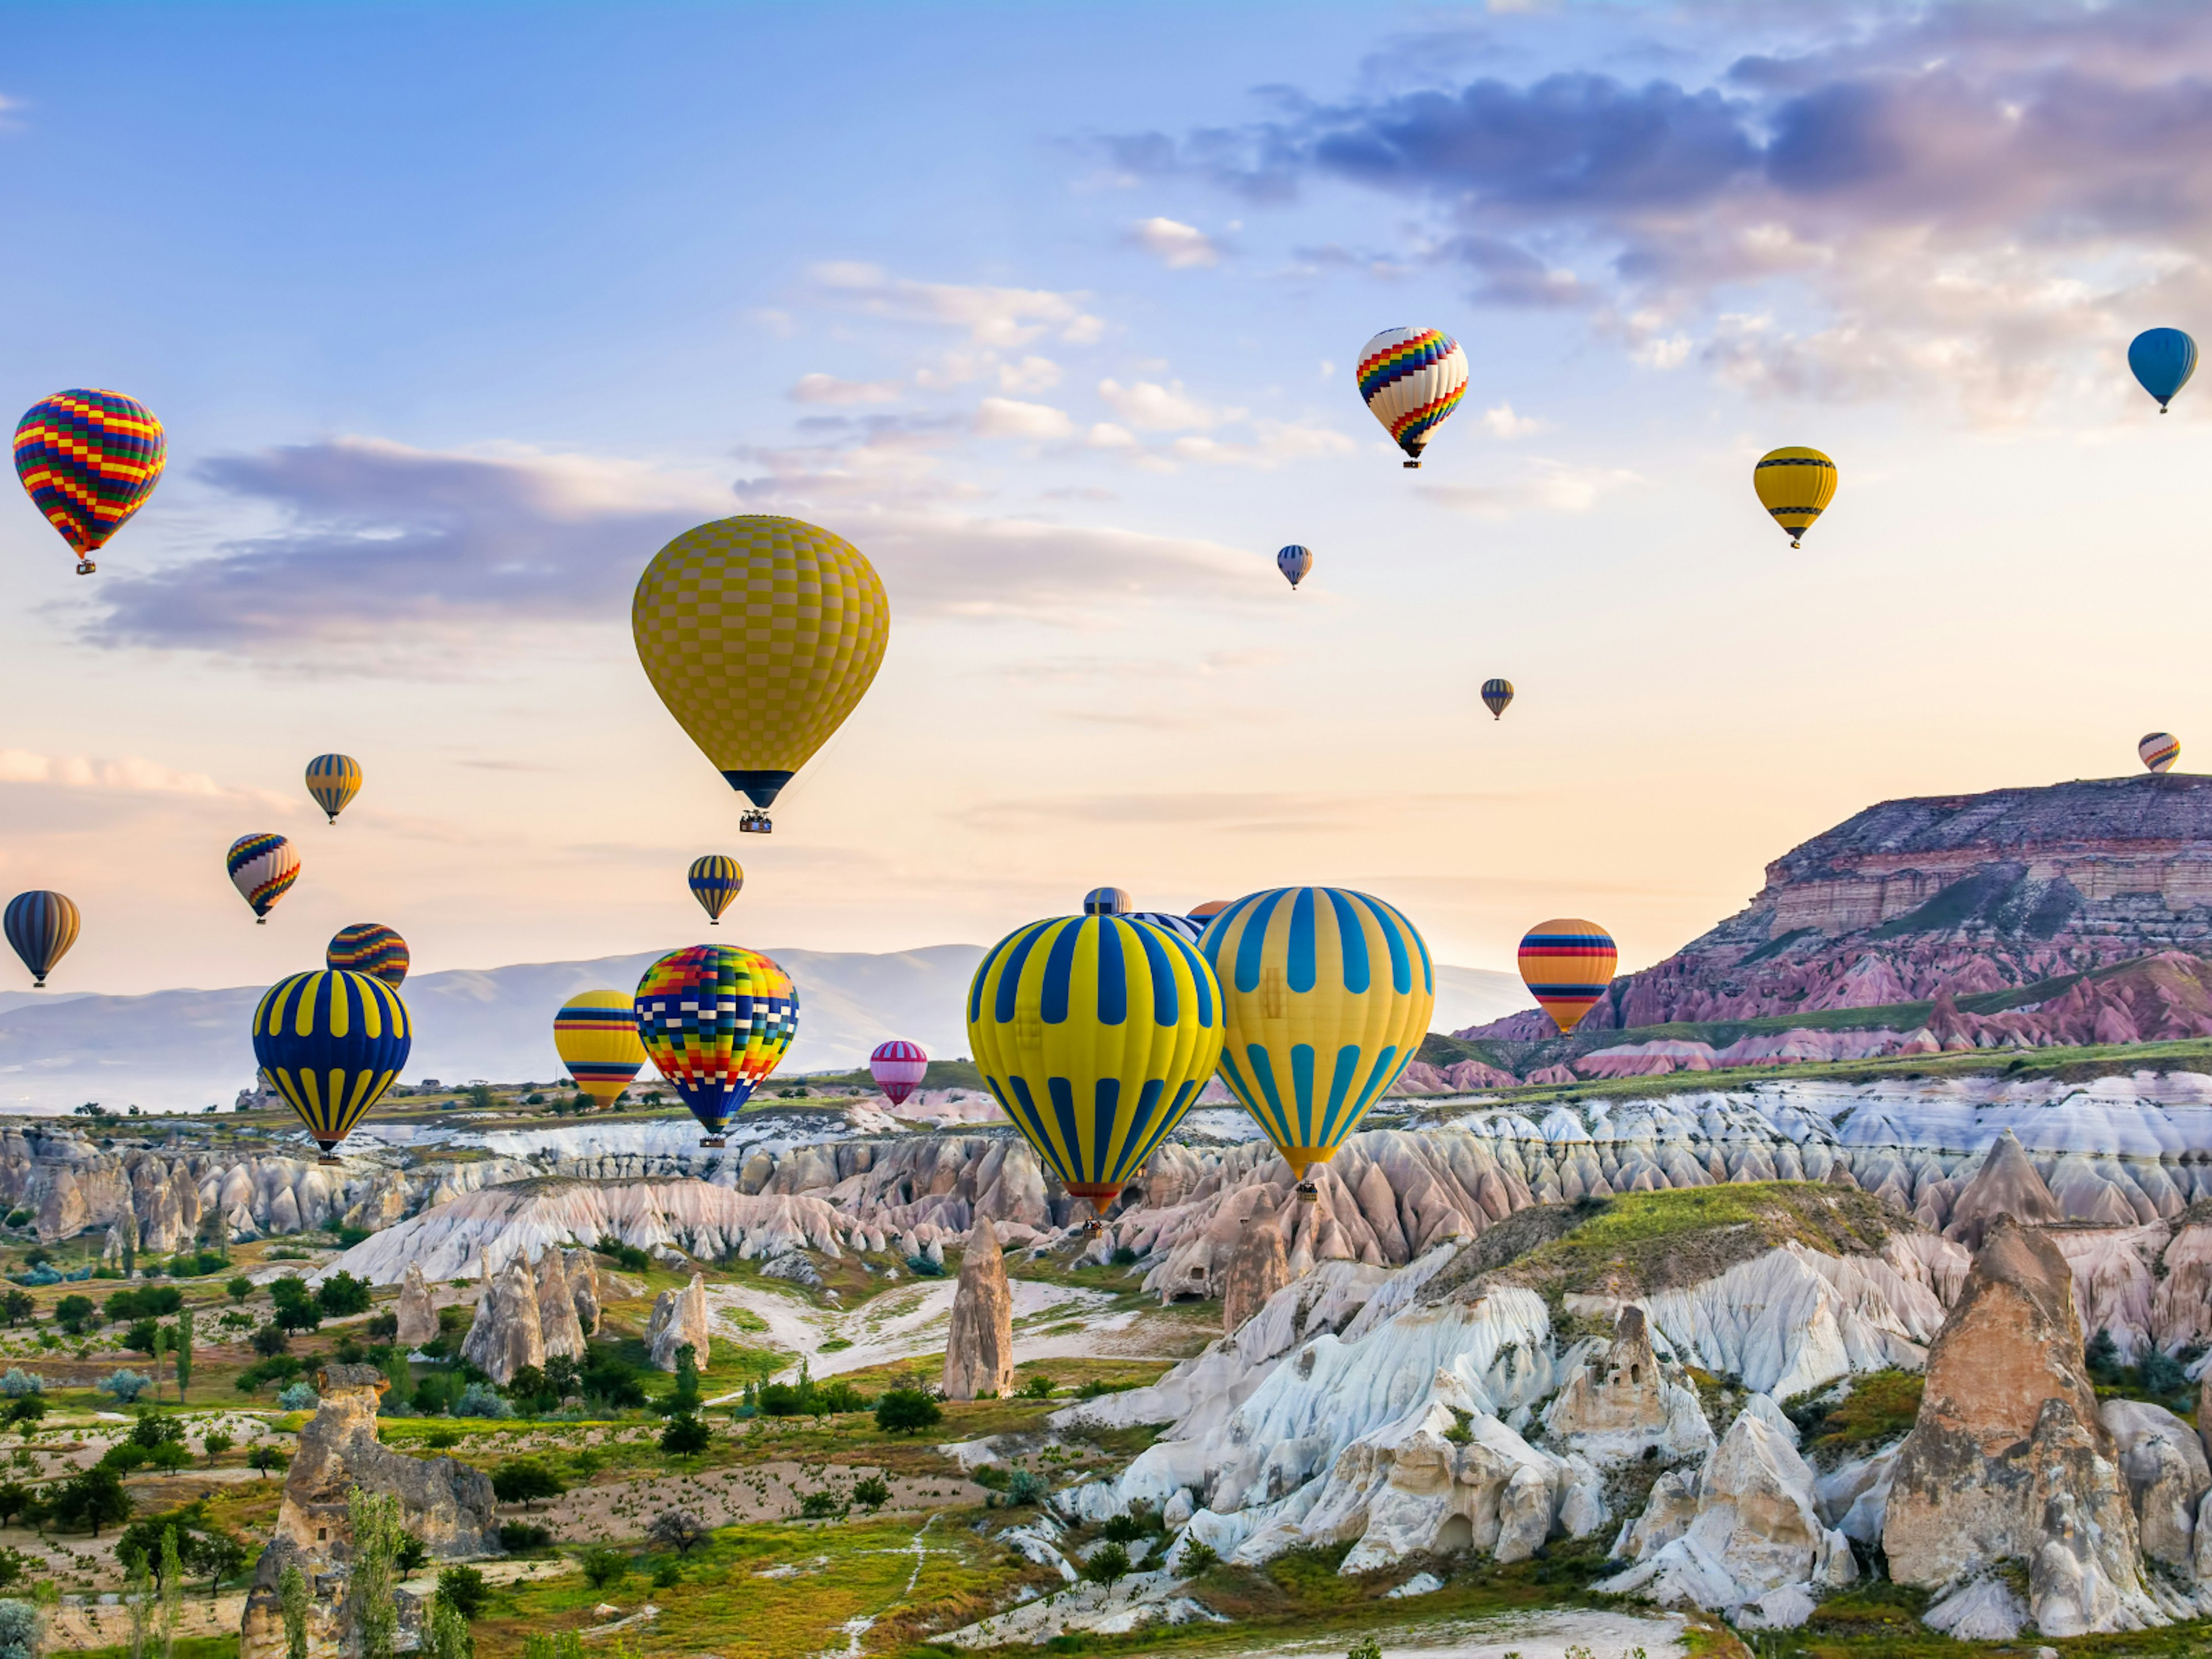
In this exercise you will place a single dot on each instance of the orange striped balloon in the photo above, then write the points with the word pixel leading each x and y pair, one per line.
pixel 1567 963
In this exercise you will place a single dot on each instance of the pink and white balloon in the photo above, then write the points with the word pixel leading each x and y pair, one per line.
pixel 898 1067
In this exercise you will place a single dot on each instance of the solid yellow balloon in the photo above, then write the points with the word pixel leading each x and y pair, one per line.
pixel 761 633
pixel 1794 486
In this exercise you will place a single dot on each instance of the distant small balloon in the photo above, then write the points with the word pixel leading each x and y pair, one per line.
pixel 1106 901
pixel 715 880
pixel 2160 750
pixel 369 947
pixel 1496 694
pixel 1567 963
pixel 2163 359
pixel 1294 561
pixel 898 1067
pixel 41 927
pixel 333 779
pixel 1794 486
pixel 263 867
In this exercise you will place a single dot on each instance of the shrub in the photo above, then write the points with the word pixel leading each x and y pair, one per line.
pixel 824 1505
pixel 1039 1386
pixel 482 1400
pixel 19 1382
pixel 271 1340
pixel 903 1411
pixel 685 1437
pixel 1110 1562
pixel 1125 1528
pixel 1094 1388
pixel 677 1529
pixel 1368 1648
pixel 238 1289
pixel 516 1536
pixel 1124 1256
pixel 299 1397
pixel 872 1493
pixel 463 1588
pixel 442 1439
pixel 341 1295
pixel 993 1475
pixel 74 1313
pixel 603 1567
pixel 626 1256
pixel 1026 1486
pixel 1199 1559
pixel 383 1328
pixel 126 1385
pixel 922 1267
pixel 526 1480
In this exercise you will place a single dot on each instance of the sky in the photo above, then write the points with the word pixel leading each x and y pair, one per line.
pixel 455 315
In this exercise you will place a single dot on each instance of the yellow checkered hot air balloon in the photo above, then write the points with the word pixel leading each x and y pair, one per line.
pixel 1325 993
pixel 595 1033
pixel 1794 485
pixel 761 633
pixel 1095 1033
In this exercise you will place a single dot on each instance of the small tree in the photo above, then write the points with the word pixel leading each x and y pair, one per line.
pixel 266 1459
pixel 240 1288
pixel 686 1436
pixel 93 1498
pixel 447 1634
pixel 603 1567
pixel 16 1501
pixel 526 1480
pixel 22 1631
pixel 74 1313
pixel 872 1493
pixel 1109 1563
pixel 216 1553
pixel 464 1589
pixel 139 1600
pixel 17 1307
pixel 677 1529
pixel 371 1614
pixel 292 1596
pixel 904 1411
pixel 216 1443
pixel 184 1349
pixel 172 1592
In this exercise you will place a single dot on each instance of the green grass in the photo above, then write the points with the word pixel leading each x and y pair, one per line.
pixel 1881 1407
pixel 188 1647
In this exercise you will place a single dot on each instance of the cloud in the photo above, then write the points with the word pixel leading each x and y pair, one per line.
pixel 1005 417
pixel 1502 423
pixel 1179 246
pixel 1003 317
pixel 1257 811
pixel 1273 443
pixel 128 774
pixel 1151 407
pixel 1546 487
pixel 828 389
pixel 1030 374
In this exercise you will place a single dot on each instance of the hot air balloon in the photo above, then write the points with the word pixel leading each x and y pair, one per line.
pixel 1793 485
pixel 333 779
pixel 1183 927
pixel 1412 378
pixel 1203 913
pixel 88 460
pixel 595 1033
pixel 1095 1033
pixel 715 880
pixel 2163 359
pixel 716 1019
pixel 369 947
pixel 263 867
pixel 1567 963
pixel 2160 750
pixel 1294 561
pixel 41 927
pixel 1326 995
pixel 898 1068
pixel 761 633
pixel 330 1043
pixel 1106 901
pixel 1496 694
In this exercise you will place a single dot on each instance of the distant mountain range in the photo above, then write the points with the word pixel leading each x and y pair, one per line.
pixel 186 1049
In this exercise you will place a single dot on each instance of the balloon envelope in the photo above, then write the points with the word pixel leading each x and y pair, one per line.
pixel 2163 359
pixel 88 461
pixel 2160 749
pixel 1095 1033
pixel 595 1033
pixel 263 867
pixel 761 633
pixel 1294 561
pixel 330 1043
pixel 1412 378
pixel 1325 995
pixel 1496 694
pixel 1794 486
pixel 1183 927
pixel 715 880
pixel 333 779
pixel 40 928
pixel 1106 901
pixel 1567 963
pixel 898 1068
pixel 715 1019
pixel 370 947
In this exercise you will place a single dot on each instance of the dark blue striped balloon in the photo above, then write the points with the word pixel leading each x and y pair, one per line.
pixel 41 927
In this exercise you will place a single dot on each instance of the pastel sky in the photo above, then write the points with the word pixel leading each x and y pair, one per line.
pixel 455 314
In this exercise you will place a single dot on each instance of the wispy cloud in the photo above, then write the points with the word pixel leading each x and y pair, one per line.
pixel 129 775
pixel 828 389
pixel 1003 317
pixel 1178 247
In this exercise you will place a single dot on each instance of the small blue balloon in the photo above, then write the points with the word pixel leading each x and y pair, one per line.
pixel 2163 360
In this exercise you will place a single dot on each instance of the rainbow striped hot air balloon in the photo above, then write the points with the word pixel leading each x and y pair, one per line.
pixel 88 461
pixel 333 779
pixel 1567 963
pixel 263 867
pixel 1095 1033
pixel 330 1043
pixel 716 1020
pixel 1412 378
pixel 715 880
pixel 2160 749
pixel 370 947
pixel 41 927
pixel 1326 995
pixel 898 1067
pixel 595 1033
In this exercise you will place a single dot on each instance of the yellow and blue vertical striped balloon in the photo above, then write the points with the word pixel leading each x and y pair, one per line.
pixel 333 779
pixel 1325 993
pixel 1095 1033
pixel 716 879
pixel 41 927
pixel 331 1042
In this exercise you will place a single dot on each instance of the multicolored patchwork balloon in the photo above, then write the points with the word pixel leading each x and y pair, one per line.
pixel 1326 995
pixel 715 880
pixel 263 867
pixel 333 779
pixel 370 947
pixel 1567 963
pixel 1496 695
pixel 332 1044
pixel 41 927
pixel 1294 561
pixel 1096 1034
pixel 595 1033
pixel 1412 378
pixel 1794 486
pixel 898 1067
pixel 90 459
pixel 2160 749
pixel 716 1020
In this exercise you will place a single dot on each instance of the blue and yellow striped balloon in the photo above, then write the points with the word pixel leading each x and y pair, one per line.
pixel 715 880
pixel 1325 993
pixel 333 779
pixel 41 927
pixel 331 1042
pixel 1095 1033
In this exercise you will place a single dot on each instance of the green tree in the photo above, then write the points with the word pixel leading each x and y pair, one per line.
pixel 872 1493
pixel 266 1458
pixel 1109 1563
pixel 342 1294
pixel 685 1399
pixel 172 1592
pixel 903 1411
pixel 215 1443
pixel 216 1554
pixel 17 1307
pixel 240 1288
pixel 371 1614
pixel 295 1305
pixel 464 1589
pixel 526 1480
pixel 602 1566
pixel 686 1436
pixel 184 1346
pixel 16 1501
pixel 292 1596
pixel 446 1635
pixel 74 1313
pixel 92 1498
pixel 139 1600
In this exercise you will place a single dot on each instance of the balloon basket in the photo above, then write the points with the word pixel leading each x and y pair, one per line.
pixel 86 567
pixel 713 1140
pixel 1410 465
pixel 331 1157
pixel 1308 1193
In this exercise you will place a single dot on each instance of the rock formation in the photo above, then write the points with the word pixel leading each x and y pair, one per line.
pixel 979 1348
pixel 418 1314
pixel 2168 1479
pixel 557 1324
pixel 2010 1458
pixel 2007 1187
pixel 678 1318
pixel 1256 1272
pixel 582 1271
pixel 447 1505
pixel 507 1334
pixel 1617 1404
